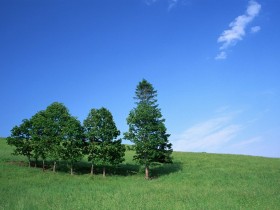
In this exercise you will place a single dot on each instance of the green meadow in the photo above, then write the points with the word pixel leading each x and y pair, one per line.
pixel 194 181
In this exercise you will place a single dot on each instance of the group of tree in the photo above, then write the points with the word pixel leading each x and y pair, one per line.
pixel 54 134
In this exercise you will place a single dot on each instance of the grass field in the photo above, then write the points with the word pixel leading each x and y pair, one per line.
pixel 194 181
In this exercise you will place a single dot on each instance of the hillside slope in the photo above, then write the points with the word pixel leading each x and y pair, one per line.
pixel 194 181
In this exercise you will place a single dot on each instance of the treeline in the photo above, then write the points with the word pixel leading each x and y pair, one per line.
pixel 54 134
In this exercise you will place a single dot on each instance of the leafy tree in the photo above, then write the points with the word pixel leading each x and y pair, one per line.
pixel 72 144
pixel 57 116
pixel 101 133
pixel 21 139
pixel 147 129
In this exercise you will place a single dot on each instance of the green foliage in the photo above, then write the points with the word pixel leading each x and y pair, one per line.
pixel 92 150
pixel 72 145
pixel 52 133
pixel 101 133
pixel 40 144
pixel 146 128
pixel 145 93
pixel 100 126
pixel 57 117
pixel 21 139
pixel 56 135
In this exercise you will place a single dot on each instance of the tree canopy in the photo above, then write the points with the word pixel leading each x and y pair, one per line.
pixel 52 133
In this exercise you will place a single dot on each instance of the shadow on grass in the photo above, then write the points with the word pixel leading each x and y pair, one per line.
pixel 124 169
pixel 84 167
pixel 158 170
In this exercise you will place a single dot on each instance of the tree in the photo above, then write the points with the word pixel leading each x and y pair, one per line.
pixel 57 116
pixel 147 129
pixel 72 144
pixel 21 139
pixel 101 133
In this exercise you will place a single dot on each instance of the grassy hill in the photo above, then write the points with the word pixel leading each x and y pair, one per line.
pixel 194 181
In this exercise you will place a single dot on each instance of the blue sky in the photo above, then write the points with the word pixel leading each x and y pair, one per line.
pixel 214 63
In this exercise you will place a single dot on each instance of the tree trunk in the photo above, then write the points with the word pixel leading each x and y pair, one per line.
pixel 43 165
pixel 71 169
pixel 104 171
pixel 54 165
pixel 91 170
pixel 147 172
pixel 35 162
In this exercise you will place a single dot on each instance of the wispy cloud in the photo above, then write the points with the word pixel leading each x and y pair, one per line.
pixel 247 142
pixel 208 135
pixel 236 32
pixel 229 131
pixel 170 3
pixel 222 55
pixel 237 27
pixel 255 29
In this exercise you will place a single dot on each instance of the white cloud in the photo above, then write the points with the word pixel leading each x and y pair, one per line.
pixel 255 29
pixel 247 142
pixel 222 55
pixel 236 32
pixel 208 135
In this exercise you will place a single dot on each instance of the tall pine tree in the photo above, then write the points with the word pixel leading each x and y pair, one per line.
pixel 147 129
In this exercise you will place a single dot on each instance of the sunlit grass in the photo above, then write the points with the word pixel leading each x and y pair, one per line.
pixel 194 181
